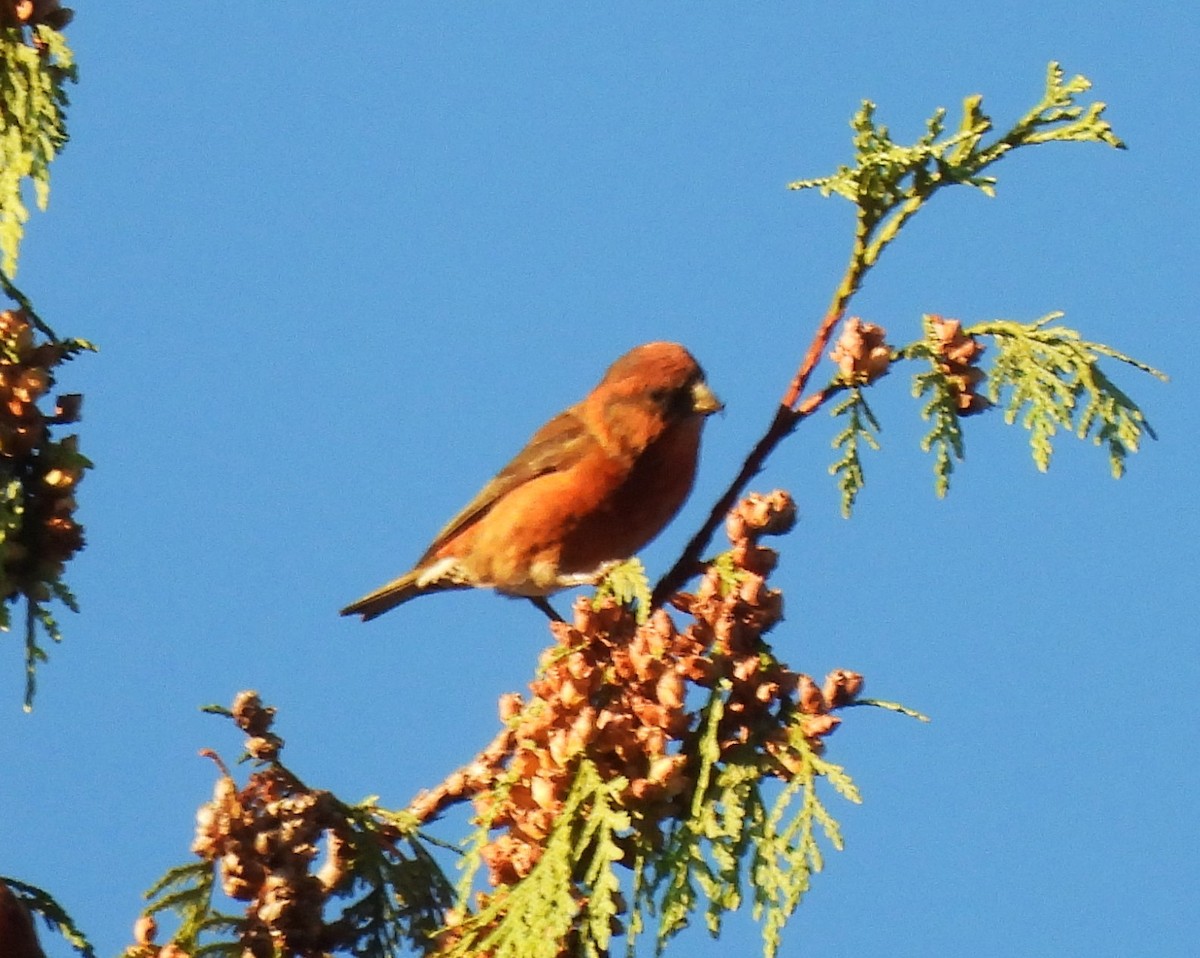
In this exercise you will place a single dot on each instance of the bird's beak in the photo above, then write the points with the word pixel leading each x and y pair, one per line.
pixel 704 400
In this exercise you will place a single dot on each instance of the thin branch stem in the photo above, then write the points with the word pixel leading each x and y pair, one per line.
pixel 463 785
pixel 786 419
pixel 22 300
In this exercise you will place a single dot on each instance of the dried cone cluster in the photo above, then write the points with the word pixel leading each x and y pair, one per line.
pixel 264 839
pixel 861 353
pixel 765 696
pixel 612 698
pixel 46 534
pixel 612 690
pixel 958 355
pixel 32 13
pixel 617 692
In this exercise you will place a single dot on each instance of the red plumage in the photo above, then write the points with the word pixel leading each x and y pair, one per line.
pixel 593 486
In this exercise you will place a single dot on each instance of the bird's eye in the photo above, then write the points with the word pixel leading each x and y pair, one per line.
pixel 671 401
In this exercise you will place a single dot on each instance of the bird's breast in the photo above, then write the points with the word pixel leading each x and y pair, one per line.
pixel 638 503
pixel 556 529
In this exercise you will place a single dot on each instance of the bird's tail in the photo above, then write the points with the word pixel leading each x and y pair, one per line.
pixel 398 591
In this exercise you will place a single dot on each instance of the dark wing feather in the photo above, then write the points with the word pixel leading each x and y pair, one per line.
pixel 558 445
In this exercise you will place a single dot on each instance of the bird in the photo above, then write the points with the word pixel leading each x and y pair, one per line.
pixel 591 487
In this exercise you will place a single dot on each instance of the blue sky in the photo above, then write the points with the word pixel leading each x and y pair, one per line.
pixel 340 267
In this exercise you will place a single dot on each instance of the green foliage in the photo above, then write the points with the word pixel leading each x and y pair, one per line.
pixel 787 850
pixel 730 836
pixel 861 428
pixel 731 575
pixel 189 890
pixel 12 524
pixel 891 181
pixel 12 512
pixel 735 835
pixel 398 895
pixel 24 501
pixel 38 615
pixel 42 903
pixel 400 891
pixel 572 893
pixel 889 707
pixel 1049 378
pixel 1045 377
pixel 33 130
pixel 669 888
pixel 628 583
pixel 945 437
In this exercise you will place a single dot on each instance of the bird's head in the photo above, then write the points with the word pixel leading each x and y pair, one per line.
pixel 665 375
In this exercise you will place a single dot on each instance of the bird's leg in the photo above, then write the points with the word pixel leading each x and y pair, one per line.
pixel 544 604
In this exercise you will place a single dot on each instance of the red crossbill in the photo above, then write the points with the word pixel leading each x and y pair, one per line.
pixel 593 485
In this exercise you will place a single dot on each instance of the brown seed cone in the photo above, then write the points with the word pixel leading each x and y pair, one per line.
pixel 862 353
pixel 841 686
pixel 959 355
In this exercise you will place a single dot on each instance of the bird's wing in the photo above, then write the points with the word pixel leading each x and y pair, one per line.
pixel 557 446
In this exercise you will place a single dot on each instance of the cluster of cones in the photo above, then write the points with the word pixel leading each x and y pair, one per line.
pixel 862 355
pixel 265 839
pixel 620 695
pixel 37 501
pixel 957 357
pixel 629 699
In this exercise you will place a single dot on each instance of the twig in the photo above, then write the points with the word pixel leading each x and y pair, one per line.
pixel 542 603
pixel 787 417
pixel 815 349
pixel 462 785
pixel 22 300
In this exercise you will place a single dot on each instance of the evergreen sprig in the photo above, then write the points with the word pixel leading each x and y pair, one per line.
pixel 188 890
pixel 726 567
pixel 861 428
pixel 669 886
pixel 1046 377
pixel 24 503
pixel 734 837
pixel 945 437
pixel 400 892
pixel 787 851
pixel 33 101
pixel 888 707
pixel 572 893
pixel 628 583
pixel 1049 378
pixel 890 182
